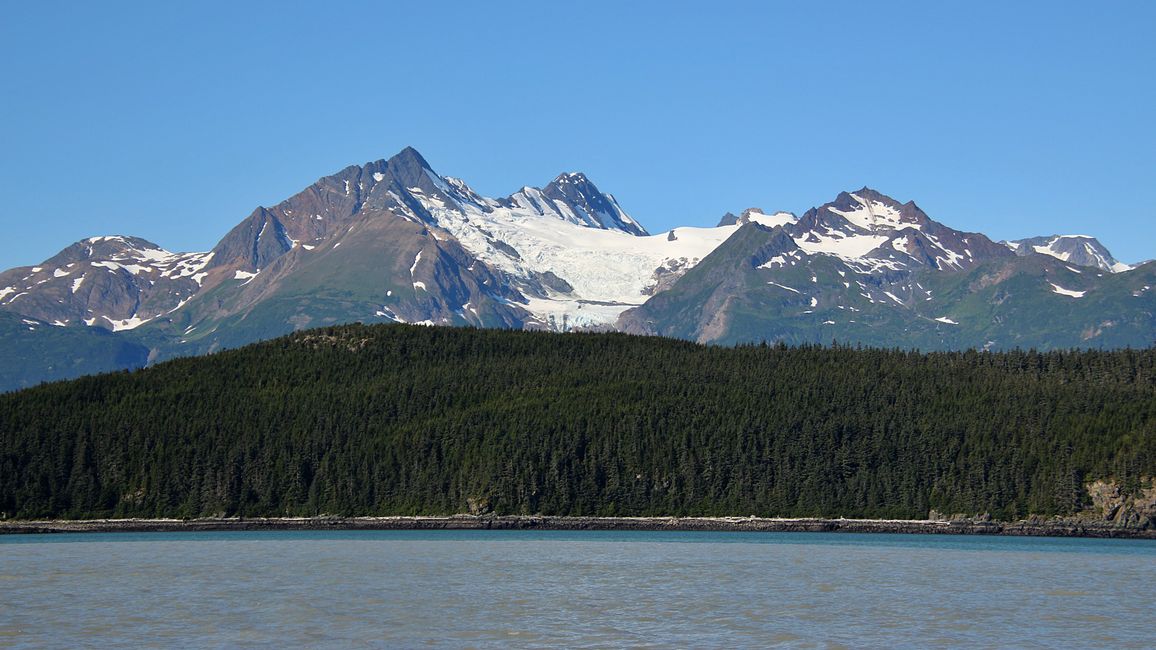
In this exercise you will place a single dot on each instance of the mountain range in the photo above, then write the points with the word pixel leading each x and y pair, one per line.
pixel 394 241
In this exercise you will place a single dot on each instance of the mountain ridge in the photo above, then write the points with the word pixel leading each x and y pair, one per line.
pixel 392 240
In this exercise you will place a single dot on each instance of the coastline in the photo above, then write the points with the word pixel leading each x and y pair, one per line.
pixel 1031 528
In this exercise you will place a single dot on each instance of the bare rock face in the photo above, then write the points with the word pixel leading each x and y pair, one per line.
pixel 479 505
pixel 1132 510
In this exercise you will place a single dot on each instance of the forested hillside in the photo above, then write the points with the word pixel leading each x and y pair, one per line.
pixel 395 419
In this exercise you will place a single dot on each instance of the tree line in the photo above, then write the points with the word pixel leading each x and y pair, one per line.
pixel 392 419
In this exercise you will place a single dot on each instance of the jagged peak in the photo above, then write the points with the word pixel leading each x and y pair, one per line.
pixel 571 177
pixel 864 196
pixel 409 155
pixel 569 183
pixel 407 163
pixel 728 219
pixel 601 209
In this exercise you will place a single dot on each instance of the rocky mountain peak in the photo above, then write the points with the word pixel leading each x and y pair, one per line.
pixel 728 219
pixel 1082 250
pixel 591 206
pixel 868 211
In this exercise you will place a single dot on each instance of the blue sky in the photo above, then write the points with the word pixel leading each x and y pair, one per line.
pixel 172 121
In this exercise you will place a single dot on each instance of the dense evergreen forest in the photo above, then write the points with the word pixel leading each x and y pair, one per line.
pixel 375 420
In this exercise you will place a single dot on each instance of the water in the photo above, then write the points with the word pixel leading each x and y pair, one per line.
pixel 572 589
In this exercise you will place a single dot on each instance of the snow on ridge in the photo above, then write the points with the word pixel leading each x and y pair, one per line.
pixel 771 220
pixel 609 269
pixel 836 243
pixel 1051 248
pixel 870 215
pixel 952 258
pixel 146 259
pixel 613 268
pixel 188 265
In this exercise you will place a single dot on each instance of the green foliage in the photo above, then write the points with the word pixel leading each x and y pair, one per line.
pixel 42 352
pixel 376 420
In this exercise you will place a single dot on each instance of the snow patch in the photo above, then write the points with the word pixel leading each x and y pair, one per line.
pixel 1067 292
pixel 126 324
pixel 772 220
pixel 245 275
pixel 836 243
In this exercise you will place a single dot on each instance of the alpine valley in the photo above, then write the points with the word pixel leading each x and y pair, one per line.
pixel 394 241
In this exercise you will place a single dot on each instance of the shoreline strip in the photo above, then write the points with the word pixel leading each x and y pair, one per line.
pixel 1060 528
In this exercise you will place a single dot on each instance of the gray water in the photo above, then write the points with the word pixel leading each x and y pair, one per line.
pixel 588 589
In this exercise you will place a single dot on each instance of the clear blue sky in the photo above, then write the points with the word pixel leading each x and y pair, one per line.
pixel 172 121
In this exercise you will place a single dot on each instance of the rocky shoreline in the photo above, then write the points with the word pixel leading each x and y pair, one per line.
pixel 1036 528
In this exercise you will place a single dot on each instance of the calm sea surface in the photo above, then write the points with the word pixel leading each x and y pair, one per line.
pixel 585 589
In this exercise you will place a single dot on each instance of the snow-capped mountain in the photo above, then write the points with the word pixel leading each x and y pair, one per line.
pixel 873 231
pixel 395 241
pixel 117 283
pixel 1082 250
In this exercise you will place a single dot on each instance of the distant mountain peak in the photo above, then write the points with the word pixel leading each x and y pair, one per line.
pixel 728 219
pixel 769 219
pixel 571 177
pixel 869 211
pixel 1082 250
pixel 591 206
pixel 409 155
